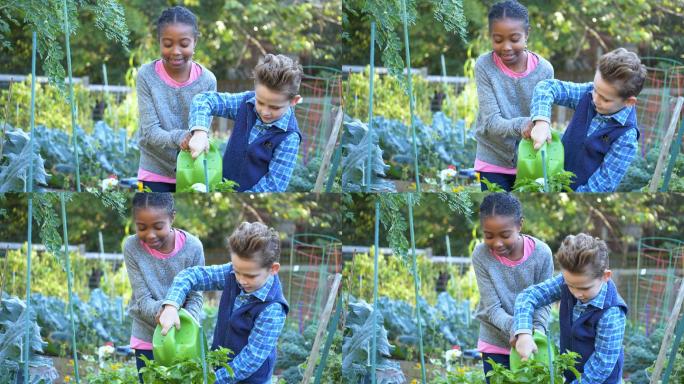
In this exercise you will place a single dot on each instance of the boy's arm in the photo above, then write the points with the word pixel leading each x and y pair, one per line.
pixel 280 168
pixel 552 91
pixel 610 331
pixel 541 315
pixel 151 130
pixel 489 108
pixel 534 297
pixel 261 341
pixel 208 104
pixel 615 164
pixel 198 278
pixel 490 299
pixel 194 300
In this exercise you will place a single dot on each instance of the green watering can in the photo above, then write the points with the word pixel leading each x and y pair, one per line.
pixel 544 350
pixel 190 173
pixel 530 164
pixel 183 344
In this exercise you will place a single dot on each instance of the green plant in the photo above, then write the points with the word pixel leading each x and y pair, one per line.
pixel 559 182
pixel 186 371
pixel 115 373
pixel 532 371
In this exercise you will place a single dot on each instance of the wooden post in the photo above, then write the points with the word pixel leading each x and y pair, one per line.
pixel 322 327
pixel 669 329
pixel 329 148
pixel 665 146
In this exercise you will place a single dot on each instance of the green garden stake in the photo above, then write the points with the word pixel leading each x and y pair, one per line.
pixel 673 352
pixel 70 277
pixel 72 101
pixel 289 277
pixel 376 250
pixel 203 354
pixel 546 178
pixel 550 355
pixel 370 108
pixel 416 283
pixel 411 105
pixel 332 328
pixel 674 153
pixel 27 337
pixel 206 174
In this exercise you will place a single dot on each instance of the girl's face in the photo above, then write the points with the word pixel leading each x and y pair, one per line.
pixel 508 40
pixel 153 227
pixel 250 274
pixel 501 234
pixel 177 44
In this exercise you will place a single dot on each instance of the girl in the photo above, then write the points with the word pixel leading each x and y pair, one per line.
pixel 505 79
pixel 165 90
pixel 505 264
pixel 153 257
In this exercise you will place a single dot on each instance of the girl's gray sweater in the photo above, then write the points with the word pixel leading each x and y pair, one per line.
pixel 151 278
pixel 500 284
pixel 163 117
pixel 504 109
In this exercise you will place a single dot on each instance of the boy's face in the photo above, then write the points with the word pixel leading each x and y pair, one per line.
pixel 606 97
pixel 250 274
pixel 271 105
pixel 585 286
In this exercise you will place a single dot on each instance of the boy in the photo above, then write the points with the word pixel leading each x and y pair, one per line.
pixel 252 309
pixel 601 140
pixel 262 150
pixel 592 313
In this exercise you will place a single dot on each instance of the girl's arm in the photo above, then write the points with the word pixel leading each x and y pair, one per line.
pixel 198 278
pixel 261 341
pixel 151 130
pixel 208 104
pixel 144 305
pixel 489 298
pixel 496 124
pixel 194 301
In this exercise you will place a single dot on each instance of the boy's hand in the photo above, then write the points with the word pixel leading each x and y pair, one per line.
pixel 540 133
pixel 169 318
pixel 198 143
pixel 525 346
pixel 527 131
pixel 186 140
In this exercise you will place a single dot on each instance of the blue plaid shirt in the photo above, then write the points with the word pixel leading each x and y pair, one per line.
pixel 267 326
pixel 608 176
pixel 609 330
pixel 208 104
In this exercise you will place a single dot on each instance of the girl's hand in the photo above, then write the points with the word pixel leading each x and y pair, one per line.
pixel 169 318
pixel 525 346
pixel 540 133
pixel 527 131
pixel 186 141
pixel 198 143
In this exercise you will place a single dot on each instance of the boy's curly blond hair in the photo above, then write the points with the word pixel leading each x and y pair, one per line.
pixel 256 242
pixel 585 254
pixel 279 73
pixel 624 70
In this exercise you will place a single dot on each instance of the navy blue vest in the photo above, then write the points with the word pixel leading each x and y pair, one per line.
pixel 584 155
pixel 247 163
pixel 580 336
pixel 233 328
